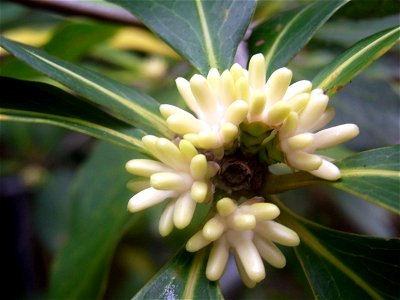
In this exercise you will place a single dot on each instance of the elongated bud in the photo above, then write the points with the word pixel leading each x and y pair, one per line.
pixel 335 135
pixel 277 84
pixel 257 71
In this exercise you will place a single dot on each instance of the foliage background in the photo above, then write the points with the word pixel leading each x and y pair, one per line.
pixel 52 179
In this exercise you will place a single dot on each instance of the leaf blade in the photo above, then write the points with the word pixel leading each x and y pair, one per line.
pixel 348 65
pixel 183 277
pixel 96 225
pixel 121 101
pixel 42 103
pixel 290 31
pixel 373 176
pixel 340 265
pixel 210 38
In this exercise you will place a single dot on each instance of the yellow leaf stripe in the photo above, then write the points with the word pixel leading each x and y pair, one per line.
pixel 206 33
pixel 339 69
pixel 313 242
pixel 369 172
pixel 308 238
pixel 193 277
pixel 272 49
pixel 154 119
pixel 79 125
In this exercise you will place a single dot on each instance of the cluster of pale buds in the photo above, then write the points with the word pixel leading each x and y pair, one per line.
pixel 247 230
pixel 222 102
pixel 180 173
pixel 298 141
pixel 218 108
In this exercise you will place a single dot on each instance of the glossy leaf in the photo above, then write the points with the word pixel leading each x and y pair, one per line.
pixel 206 33
pixel 348 65
pixel 97 221
pixel 371 175
pixel 282 36
pixel 33 102
pixel 183 277
pixel 121 101
pixel 341 265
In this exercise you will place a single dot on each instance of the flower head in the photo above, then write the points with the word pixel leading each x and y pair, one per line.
pixel 249 232
pixel 180 173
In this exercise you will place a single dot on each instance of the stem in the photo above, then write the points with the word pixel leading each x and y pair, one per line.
pixel 93 10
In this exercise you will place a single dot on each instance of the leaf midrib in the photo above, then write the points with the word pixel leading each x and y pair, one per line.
pixel 369 172
pixel 307 237
pixel 312 242
pixel 194 274
pixel 59 121
pixel 138 109
pixel 271 52
pixel 206 34
pixel 339 69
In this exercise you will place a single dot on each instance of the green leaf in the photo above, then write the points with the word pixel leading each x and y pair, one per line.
pixel 206 33
pixel 282 36
pixel 34 102
pixel 348 65
pixel 97 221
pixel 341 265
pixel 373 176
pixel 183 277
pixel 121 101
pixel 372 9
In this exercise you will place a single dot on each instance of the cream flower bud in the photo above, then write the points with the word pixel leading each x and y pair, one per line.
pixel 249 232
pixel 297 139
pixel 277 84
pixel 218 105
pixel 180 174
pixel 257 71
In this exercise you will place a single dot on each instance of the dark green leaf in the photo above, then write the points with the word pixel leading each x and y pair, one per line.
pixel 98 219
pixel 121 101
pixel 282 36
pixel 34 102
pixel 348 65
pixel 371 9
pixel 207 33
pixel 373 175
pixel 183 277
pixel 341 265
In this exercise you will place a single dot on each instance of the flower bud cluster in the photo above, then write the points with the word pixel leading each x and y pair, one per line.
pixel 217 105
pixel 270 113
pixel 180 173
pixel 271 118
pixel 249 232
